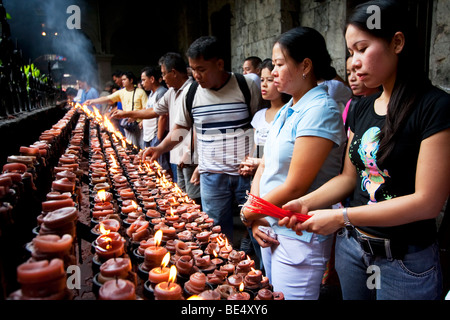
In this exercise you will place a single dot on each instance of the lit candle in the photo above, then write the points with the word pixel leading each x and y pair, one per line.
pixel 162 273
pixel 241 295
pixel 154 254
pixel 169 290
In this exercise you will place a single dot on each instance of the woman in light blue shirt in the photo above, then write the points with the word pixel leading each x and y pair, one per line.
pixel 306 143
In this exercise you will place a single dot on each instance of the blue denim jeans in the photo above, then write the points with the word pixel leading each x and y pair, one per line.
pixel 220 194
pixel 415 277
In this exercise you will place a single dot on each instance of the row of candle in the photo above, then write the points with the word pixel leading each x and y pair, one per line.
pixel 43 275
pixel 204 264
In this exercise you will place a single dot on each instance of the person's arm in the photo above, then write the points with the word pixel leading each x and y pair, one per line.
pixel 308 157
pixel 431 191
pixel 100 100
pixel 136 114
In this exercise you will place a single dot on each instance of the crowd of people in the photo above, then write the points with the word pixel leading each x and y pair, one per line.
pixel 364 157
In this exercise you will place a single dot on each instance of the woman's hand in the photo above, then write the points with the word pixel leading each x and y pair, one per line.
pixel 324 222
pixel 263 239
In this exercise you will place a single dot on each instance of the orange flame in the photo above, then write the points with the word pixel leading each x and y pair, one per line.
pixel 165 260
pixel 102 229
pixel 172 274
pixel 158 237
pixel 195 297
pixel 241 287
pixel 102 195
pixel 134 204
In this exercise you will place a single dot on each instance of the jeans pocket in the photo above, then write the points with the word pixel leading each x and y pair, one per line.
pixel 420 264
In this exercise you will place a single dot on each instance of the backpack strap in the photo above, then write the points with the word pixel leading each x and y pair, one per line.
pixel 190 98
pixel 245 90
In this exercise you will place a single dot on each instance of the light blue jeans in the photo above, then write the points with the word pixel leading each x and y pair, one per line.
pixel 364 277
pixel 221 193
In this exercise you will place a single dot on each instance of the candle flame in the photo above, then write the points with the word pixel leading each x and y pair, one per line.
pixel 165 260
pixel 226 242
pixel 241 287
pixel 103 230
pixel 253 269
pixel 172 274
pixel 134 204
pixel 215 253
pixel 158 237
pixel 102 195
pixel 195 297
pixel 171 212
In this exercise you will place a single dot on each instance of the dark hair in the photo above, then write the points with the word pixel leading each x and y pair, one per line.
pixel 173 61
pixel 71 91
pixel 152 72
pixel 206 47
pixel 304 42
pixel 130 75
pixel 410 81
pixel 117 73
pixel 255 61
pixel 268 64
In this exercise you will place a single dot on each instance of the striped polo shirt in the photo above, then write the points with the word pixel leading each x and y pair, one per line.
pixel 222 124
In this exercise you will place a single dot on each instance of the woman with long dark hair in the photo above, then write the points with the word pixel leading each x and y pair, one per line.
pixel 396 172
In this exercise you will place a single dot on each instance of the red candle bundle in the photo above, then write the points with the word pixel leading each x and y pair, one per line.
pixel 261 206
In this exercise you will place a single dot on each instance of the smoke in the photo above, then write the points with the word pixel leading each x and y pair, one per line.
pixel 72 48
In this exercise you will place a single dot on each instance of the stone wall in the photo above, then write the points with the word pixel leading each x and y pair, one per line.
pixel 440 45
pixel 257 23
pixel 254 27
pixel 328 17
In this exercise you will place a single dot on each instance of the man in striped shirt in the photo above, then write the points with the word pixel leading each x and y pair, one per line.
pixel 224 137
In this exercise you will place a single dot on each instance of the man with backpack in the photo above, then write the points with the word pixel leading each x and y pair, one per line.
pixel 219 106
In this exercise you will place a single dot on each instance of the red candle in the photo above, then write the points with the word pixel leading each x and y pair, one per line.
pixel 109 249
pixel 52 205
pixel 196 283
pixel 116 268
pixel 60 217
pixel 118 289
pixel 169 290
pixel 42 278
pixel 162 273
pixel 63 185
pixel 52 243
pixel 15 167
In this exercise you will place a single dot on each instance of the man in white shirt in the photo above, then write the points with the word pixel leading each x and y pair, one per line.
pixel 174 73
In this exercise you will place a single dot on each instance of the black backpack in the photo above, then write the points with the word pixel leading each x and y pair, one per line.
pixel 191 94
